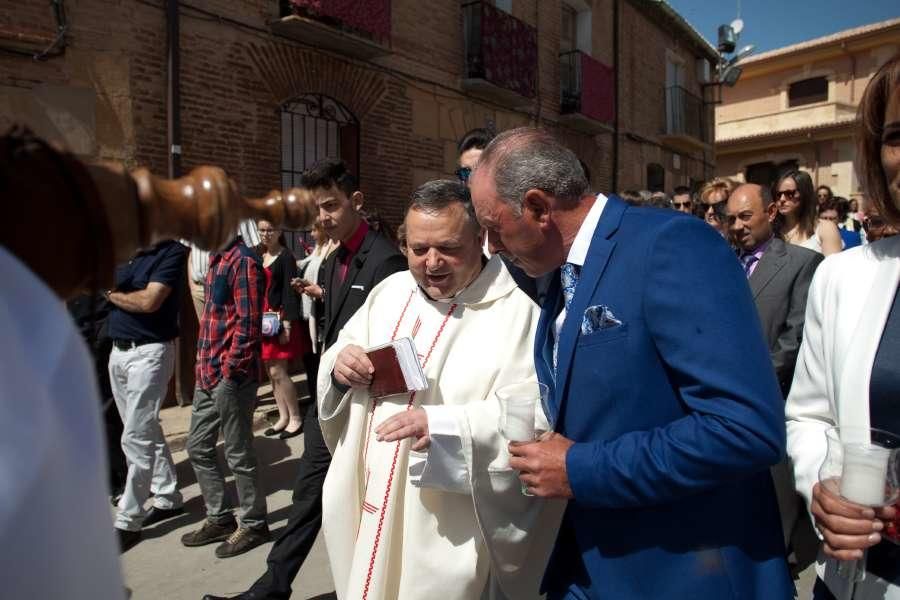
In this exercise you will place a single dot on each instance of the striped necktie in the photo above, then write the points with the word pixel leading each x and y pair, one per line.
pixel 748 260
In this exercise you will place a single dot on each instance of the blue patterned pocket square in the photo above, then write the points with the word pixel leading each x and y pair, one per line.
pixel 597 318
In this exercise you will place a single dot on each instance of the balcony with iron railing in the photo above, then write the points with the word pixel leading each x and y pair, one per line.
pixel 687 120
pixel 358 28
pixel 500 54
pixel 587 92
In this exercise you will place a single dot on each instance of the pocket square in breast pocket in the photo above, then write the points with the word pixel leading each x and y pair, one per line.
pixel 597 318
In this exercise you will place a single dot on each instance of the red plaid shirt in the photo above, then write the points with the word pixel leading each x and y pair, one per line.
pixel 231 326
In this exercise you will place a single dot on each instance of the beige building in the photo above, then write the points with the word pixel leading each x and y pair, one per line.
pixel 796 106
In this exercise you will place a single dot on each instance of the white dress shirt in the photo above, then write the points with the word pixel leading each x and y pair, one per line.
pixel 581 245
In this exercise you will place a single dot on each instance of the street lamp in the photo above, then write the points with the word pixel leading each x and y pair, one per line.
pixel 727 70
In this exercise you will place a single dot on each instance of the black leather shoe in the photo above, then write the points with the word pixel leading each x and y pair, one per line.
pixel 286 435
pixel 127 539
pixel 209 533
pixel 155 515
pixel 243 540
pixel 271 432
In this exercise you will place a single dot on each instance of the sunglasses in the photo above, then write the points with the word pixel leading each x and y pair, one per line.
pixel 789 194
pixel 463 173
pixel 682 204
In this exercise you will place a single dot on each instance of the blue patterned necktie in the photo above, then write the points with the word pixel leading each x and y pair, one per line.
pixel 568 275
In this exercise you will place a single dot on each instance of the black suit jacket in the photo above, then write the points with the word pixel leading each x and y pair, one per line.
pixel 779 285
pixel 376 259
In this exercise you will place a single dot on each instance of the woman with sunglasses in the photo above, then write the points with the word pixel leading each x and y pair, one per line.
pixel 800 225
pixel 847 371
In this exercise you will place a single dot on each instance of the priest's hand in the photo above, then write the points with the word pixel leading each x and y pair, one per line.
pixel 353 367
pixel 408 424
pixel 542 465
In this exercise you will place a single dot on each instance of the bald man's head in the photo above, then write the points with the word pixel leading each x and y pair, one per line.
pixel 751 216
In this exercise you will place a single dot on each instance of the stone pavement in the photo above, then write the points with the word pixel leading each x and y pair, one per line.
pixel 160 568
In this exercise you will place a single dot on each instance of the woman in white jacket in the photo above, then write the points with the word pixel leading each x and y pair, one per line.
pixel 847 371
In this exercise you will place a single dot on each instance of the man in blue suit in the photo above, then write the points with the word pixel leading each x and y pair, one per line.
pixel 667 412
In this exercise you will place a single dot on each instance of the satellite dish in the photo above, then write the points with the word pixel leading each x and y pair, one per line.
pixel 737 25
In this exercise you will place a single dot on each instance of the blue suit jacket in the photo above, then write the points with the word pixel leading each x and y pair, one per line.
pixel 676 415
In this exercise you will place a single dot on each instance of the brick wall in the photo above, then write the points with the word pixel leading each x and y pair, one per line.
pixel 410 103
pixel 645 44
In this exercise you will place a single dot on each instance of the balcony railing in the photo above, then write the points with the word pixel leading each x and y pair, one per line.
pixel 685 114
pixel 500 49
pixel 366 18
pixel 588 87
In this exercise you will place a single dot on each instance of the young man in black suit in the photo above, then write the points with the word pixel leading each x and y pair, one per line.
pixel 364 258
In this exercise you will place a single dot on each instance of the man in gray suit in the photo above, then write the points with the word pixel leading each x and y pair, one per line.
pixel 779 275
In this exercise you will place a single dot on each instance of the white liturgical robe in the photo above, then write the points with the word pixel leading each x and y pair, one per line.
pixel 449 523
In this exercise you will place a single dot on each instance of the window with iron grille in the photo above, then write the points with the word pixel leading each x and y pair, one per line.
pixel 808 91
pixel 314 127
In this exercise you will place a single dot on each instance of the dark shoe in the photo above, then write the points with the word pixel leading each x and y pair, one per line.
pixel 155 515
pixel 271 431
pixel 245 596
pixel 127 539
pixel 286 435
pixel 243 540
pixel 209 533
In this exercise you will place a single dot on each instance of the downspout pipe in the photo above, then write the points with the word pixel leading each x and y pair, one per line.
pixel 173 88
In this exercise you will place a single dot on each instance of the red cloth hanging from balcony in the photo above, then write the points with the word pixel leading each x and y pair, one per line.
pixel 597 90
pixel 368 16
pixel 509 50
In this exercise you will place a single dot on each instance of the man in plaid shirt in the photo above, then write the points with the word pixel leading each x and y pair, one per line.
pixel 227 352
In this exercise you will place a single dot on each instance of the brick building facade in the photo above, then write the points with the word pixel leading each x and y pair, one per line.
pixel 266 86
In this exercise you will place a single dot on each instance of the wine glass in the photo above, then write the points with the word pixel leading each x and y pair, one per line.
pixel 861 466
pixel 517 411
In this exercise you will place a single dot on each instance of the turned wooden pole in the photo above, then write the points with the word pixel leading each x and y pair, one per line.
pixel 71 222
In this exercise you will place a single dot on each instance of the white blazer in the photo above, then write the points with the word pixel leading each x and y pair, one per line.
pixel 831 381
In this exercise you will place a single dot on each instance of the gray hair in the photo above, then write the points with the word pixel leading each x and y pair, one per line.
pixel 435 196
pixel 529 158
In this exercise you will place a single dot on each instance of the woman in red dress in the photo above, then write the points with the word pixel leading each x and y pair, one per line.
pixel 293 340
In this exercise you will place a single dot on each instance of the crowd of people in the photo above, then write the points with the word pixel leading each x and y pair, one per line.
pixel 692 350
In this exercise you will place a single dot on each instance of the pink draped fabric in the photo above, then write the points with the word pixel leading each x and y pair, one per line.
pixel 597 89
pixel 509 48
pixel 372 16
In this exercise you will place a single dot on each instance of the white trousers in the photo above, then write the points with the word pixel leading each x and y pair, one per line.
pixel 140 378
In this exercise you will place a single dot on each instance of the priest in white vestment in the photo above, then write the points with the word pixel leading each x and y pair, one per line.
pixel 420 501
